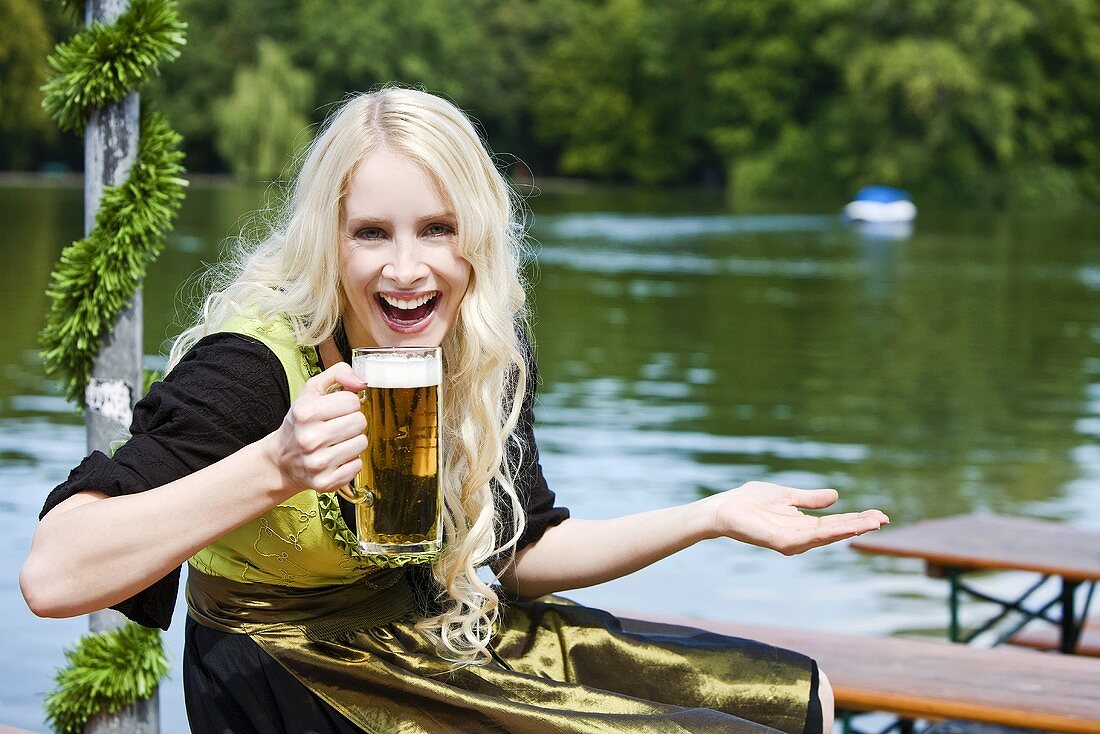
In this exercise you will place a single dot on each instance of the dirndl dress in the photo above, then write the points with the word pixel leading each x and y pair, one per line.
pixel 290 629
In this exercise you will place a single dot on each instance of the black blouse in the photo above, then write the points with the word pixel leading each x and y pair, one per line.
pixel 229 391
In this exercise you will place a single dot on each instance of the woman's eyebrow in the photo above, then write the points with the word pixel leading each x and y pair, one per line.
pixel 360 221
pixel 440 215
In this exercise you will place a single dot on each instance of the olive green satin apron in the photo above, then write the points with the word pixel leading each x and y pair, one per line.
pixel 560 667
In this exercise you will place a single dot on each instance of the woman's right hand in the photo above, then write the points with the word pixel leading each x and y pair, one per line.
pixel 320 440
pixel 92 551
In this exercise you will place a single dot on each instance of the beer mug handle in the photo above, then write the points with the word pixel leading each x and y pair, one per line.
pixel 353 494
pixel 350 491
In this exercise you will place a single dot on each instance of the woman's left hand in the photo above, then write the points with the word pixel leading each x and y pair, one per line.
pixel 769 515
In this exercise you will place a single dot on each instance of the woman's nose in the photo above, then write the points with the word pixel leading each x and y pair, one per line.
pixel 406 267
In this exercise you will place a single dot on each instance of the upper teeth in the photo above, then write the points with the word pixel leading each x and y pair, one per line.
pixel 407 305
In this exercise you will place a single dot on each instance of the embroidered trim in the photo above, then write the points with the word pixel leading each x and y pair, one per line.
pixel 334 523
pixel 311 358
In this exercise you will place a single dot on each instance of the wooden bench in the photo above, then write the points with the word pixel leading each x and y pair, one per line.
pixel 925 679
pixel 1046 637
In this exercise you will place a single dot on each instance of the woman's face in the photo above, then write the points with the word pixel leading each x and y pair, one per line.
pixel 401 271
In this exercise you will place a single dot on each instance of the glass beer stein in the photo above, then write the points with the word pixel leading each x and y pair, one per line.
pixel 398 495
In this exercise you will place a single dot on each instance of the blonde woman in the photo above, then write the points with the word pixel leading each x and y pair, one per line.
pixel 399 231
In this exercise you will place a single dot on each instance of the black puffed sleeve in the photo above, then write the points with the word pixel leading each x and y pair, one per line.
pixel 227 392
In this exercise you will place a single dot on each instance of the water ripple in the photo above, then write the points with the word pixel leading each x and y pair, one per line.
pixel 604 260
pixel 1089 275
pixel 42 404
pixel 567 438
pixel 643 228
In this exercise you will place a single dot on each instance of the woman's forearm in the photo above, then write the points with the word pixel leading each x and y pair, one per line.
pixel 91 551
pixel 579 553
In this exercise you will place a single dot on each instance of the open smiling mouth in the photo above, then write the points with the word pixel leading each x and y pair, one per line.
pixel 408 312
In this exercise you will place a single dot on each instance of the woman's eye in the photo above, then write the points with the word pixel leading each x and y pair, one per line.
pixel 370 233
pixel 439 230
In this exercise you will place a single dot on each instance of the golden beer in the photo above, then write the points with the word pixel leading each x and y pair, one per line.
pixel 398 493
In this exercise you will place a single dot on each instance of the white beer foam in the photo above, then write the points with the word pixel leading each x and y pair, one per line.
pixel 382 369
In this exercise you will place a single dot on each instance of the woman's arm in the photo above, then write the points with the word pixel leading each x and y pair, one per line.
pixel 579 553
pixel 92 551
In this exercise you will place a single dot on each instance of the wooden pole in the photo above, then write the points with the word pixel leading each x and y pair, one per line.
pixel 110 146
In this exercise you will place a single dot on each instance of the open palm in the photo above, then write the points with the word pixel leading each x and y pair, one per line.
pixel 770 516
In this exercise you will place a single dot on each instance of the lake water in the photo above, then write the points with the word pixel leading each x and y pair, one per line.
pixel 686 348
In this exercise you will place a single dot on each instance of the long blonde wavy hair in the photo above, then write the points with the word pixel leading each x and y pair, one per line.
pixel 294 272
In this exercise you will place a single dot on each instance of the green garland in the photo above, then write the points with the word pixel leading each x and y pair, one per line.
pixel 97 276
pixel 107 672
pixel 104 63
pixel 94 280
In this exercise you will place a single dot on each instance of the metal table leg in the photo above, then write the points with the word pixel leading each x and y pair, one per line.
pixel 953 604
pixel 1071 631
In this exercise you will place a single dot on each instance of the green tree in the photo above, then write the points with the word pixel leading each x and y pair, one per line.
pixel 620 92
pixel 762 83
pixel 1063 129
pixel 475 52
pixel 983 99
pixel 518 32
pixel 223 38
pixel 263 121
pixel 935 93
pixel 25 41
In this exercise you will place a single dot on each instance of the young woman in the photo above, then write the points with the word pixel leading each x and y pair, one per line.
pixel 400 231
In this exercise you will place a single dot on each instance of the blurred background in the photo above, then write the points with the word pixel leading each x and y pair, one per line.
pixel 702 315
pixel 993 101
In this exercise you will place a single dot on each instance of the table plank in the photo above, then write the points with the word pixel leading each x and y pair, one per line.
pixel 936 680
pixel 983 541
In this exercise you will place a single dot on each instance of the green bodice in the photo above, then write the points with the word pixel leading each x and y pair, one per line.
pixel 303 541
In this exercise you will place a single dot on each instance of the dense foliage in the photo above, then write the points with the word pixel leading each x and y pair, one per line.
pixel 258 125
pixel 987 100
pixel 24 43
pixel 106 672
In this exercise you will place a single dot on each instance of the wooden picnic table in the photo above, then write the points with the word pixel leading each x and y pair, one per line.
pixel 956 545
